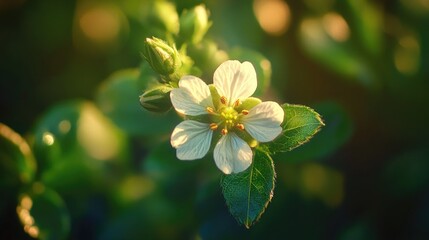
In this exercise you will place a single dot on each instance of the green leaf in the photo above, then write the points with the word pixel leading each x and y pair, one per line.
pixel 153 217
pixel 77 147
pixel 162 164
pixel 248 193
pixel 118 98
pixel 76 130
pixel 367 19
pixel 299 125
pixel 76 177
pixel 338 130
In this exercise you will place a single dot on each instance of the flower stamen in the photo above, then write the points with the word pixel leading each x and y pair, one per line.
pixel 224 131
pixel 240 126
pixel 223 100
pixel 210 110
pixel 237 103
pixel 245 112
pixel 213 126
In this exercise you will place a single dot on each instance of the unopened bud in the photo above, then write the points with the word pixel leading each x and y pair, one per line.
pixel 163 58
pixel 194 24
pixel 156 99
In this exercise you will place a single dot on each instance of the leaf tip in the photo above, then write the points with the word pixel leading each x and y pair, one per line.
pixel 248 225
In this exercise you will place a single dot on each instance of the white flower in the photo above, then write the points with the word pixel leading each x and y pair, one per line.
pixel 234 82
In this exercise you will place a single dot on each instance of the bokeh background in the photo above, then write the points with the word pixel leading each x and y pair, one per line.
pixel 70 77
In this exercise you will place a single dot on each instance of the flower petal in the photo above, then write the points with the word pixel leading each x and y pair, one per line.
pixel 192 97
pixel 263 121
pixel 232 154
pixel 191 139
pixel 235 80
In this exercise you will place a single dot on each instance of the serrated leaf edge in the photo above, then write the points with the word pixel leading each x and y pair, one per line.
pixel 319 127
pixel 248 223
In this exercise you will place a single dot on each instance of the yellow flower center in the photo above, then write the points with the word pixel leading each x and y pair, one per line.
pixel 226 118
pixel 229 116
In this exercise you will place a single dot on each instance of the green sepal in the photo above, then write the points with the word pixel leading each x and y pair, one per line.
pixel 205 118
pixel 215 96
pixel 248 104
pixel 246 137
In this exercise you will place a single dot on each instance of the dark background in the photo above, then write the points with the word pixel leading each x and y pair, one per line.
pixel 365 175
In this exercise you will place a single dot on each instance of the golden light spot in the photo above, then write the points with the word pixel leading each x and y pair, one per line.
pixel 135 187
pixel 314 178
pixel 26 202
pixel 97 134
pixel 24 214
pixel 323 183
pixel 15 138
pixel 29 163
pixel 273 16
pixel 336 27
pixel 48 138
pixel 312 33
pixel 100 24
pixel 425 4
pixel 33 231
pixel 64 126
pixel 407 55
pixel 266 65
pixel 28 220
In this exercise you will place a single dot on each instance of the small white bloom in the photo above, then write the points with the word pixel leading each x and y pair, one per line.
pixel 235 82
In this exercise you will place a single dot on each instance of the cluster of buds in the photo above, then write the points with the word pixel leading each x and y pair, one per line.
pixel 166 61
pixel 169 62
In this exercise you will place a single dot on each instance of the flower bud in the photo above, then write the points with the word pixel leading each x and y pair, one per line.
pixel 194 24
pixel 156 99
pixel 163 58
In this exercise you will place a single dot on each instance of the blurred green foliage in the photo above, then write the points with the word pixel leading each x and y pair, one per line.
pixel 85 161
